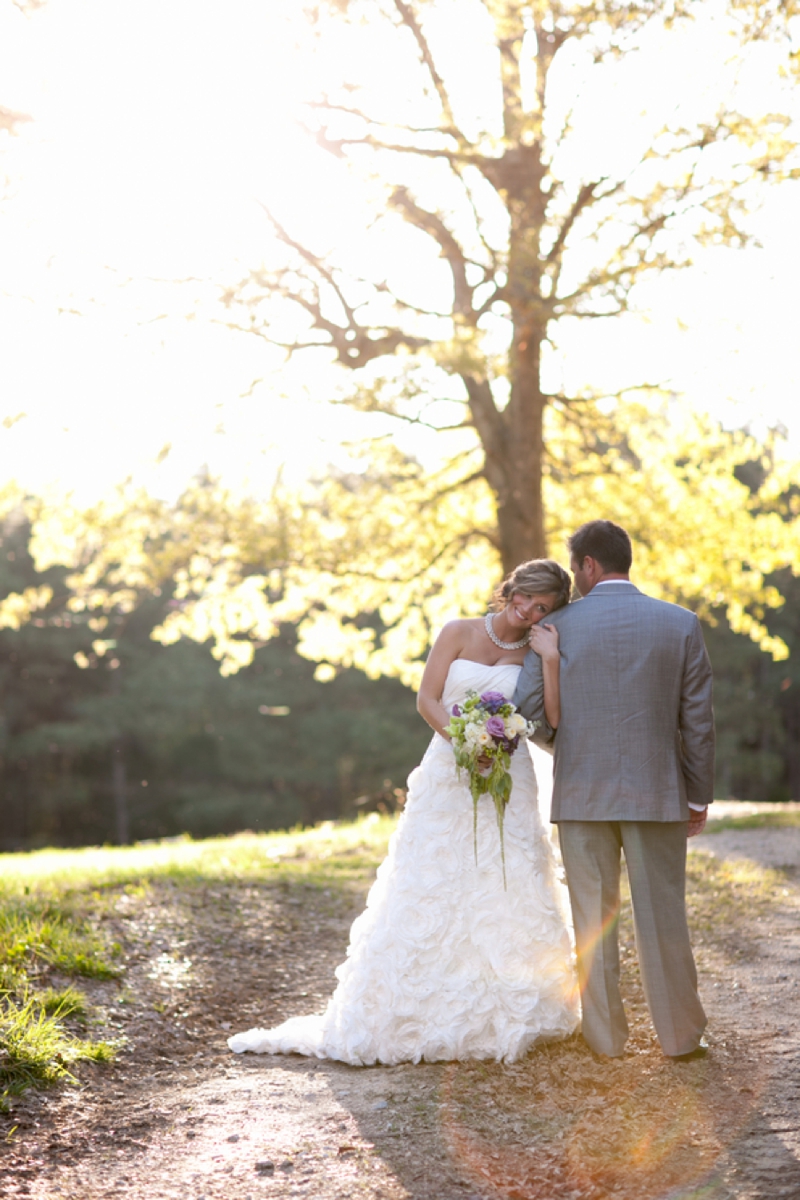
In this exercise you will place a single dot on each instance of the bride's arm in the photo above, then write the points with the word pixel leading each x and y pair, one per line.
pixel 444 651
pixel 544 640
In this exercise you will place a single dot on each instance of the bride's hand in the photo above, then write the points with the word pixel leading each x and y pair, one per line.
pixel 544 640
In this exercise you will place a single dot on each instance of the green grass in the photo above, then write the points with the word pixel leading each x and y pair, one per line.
pixel 34 934
pixel 35 1048
pixel 64 1002
pixel 767 820
pixel 725 894
pixel 40 936
pixel 328 853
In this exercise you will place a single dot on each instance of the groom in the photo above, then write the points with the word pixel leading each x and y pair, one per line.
pixel 633 773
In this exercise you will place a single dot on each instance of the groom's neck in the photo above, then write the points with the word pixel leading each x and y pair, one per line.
pixel 610 577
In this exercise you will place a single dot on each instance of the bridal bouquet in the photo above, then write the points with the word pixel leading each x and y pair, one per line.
pixel 488 727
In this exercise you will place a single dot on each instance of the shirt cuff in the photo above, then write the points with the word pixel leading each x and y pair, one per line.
pixel 698 807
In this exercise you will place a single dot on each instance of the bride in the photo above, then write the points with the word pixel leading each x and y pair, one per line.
pixel 444 963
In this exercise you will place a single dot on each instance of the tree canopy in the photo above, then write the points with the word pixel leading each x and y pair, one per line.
pixel 367 584
pixel 107 734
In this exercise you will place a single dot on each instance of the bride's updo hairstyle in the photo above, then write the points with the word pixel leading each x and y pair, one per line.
pixel 539 577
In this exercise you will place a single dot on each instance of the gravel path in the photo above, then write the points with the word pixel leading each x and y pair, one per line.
pixel 757 1003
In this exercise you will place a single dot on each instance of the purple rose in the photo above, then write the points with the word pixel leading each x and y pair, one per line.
pixel 496 727
pixel 456 711
pixel 492 700
pixel 509 744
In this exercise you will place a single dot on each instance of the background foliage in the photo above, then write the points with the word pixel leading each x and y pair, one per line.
pixel 191 750
pixel 148 740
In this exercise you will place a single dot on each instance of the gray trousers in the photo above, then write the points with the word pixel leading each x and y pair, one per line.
pixel 655 854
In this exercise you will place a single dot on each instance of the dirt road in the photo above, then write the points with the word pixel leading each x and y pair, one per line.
pixel 178 1116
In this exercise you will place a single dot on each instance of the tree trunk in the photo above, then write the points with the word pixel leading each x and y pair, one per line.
pixel 513 447
pixel 520 514
pixel 119 790
pixel 791 720
pixel 520 502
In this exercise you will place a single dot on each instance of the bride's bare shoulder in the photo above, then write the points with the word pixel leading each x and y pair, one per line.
pixel 463 625
pixel 454 637
pixel 459 632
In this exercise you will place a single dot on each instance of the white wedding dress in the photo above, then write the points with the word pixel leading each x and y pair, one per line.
pixel 444 963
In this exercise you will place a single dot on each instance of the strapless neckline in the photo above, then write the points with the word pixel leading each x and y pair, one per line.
pixel 489 666
pixel 473 676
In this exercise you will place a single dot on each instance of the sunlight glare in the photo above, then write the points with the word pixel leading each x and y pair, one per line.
pixel 133 198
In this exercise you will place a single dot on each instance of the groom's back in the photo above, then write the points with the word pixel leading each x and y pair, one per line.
pixel 636 739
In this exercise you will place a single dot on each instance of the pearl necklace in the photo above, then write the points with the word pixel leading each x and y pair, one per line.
pixel 488 621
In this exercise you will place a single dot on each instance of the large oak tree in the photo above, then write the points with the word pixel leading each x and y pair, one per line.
pixel 473 133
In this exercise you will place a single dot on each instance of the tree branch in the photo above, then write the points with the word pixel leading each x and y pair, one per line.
pixel 326 105
pixel 488 422
pixel 587 196
pixel 317 264
pixel 336 146
pixel 408 418
pixel 409 19
pixel 449 488
pixel 9 120
pixel 433 224
pixel 354 342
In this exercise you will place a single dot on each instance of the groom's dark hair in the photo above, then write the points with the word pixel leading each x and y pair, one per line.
pixel 604 541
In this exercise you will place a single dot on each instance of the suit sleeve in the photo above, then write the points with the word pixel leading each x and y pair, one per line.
pixel 696 721
pixel 529 699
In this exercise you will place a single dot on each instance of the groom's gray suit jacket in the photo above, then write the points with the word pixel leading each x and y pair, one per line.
pixel 636 739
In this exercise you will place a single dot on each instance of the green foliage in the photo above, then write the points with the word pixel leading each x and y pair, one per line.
pixel 193 751
pixel 757 704
pixel 97 714
pixel 702 535
pixel 381 558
